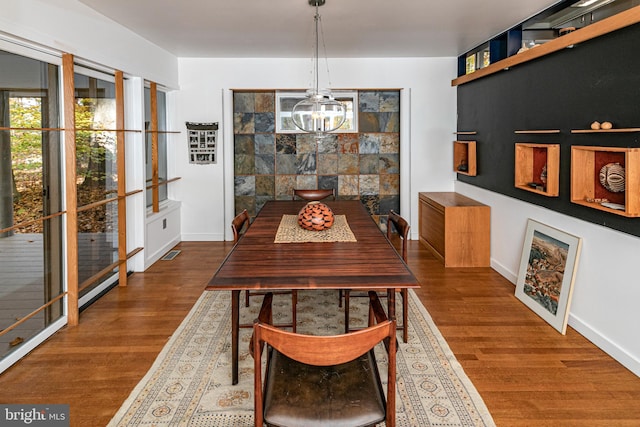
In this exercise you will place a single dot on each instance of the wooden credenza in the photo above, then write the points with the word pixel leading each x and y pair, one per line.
pixel 456 229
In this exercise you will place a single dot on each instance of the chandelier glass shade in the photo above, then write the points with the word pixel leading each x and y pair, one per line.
pixel 319 112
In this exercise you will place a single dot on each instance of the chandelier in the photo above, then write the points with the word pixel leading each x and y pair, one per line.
pixel 319 112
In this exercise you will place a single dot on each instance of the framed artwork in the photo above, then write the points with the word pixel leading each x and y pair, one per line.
pixel 547 271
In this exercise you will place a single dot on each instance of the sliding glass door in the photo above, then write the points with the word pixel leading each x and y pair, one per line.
pixel 31 244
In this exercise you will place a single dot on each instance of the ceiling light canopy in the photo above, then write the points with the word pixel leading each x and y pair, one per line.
pixel 319 112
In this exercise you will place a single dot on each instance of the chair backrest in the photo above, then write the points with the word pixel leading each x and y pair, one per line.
pixel 314 194
pixel 402 228
pixel 325 350
pixel 238 223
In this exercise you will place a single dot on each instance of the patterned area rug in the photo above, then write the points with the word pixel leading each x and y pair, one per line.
pixel 189 384
pixel 290 232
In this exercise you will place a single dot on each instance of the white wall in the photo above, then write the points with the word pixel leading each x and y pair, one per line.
pixel 604 307
pixel 203 82
pixel 71 27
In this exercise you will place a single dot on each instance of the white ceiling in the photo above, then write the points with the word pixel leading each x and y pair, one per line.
pixel 351 28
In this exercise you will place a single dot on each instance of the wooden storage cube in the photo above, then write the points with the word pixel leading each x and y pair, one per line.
pixel 530 162
pixel 586 163
pixel 464 154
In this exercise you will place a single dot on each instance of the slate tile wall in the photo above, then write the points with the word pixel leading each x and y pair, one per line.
pixel 363 165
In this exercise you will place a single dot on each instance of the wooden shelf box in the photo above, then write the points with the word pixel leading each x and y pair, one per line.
pixel 456 229
pixel 464 153
pixel 531 159
pixel 586 190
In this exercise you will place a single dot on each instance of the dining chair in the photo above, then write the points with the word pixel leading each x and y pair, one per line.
pixel 239 226
pixel 401 226
pixel 313 195
pixel 323 380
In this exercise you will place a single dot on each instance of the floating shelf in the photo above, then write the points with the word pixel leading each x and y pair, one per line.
pixel 465 133
pixel 530 162
pixel 464 153
pixel 586 190
pixel 621 130
pixel 597 29
pixel 540 131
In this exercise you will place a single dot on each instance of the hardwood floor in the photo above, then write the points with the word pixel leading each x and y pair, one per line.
pixel 526 372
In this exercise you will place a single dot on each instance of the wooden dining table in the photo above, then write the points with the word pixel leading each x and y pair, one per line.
pixel 256 262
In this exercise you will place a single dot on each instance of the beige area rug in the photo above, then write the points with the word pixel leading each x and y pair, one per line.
pixel 189 384
pixel 290 232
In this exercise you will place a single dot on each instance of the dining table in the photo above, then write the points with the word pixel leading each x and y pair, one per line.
pixel 261 260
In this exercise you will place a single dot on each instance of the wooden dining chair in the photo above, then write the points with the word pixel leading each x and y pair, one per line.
pixel 314 380
pixel 313 195
pixel 401 227
pixel 239 226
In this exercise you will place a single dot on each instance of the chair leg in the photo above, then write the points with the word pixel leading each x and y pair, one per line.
pixel 346 311
pixel 294 309
pixel 339 297
pixel 246 298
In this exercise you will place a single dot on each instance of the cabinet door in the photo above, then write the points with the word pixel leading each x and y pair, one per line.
pixel 432 226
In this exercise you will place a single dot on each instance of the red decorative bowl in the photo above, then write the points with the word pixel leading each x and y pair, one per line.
pixel 315 216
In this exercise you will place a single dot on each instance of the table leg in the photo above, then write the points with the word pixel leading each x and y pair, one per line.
pixel 235 334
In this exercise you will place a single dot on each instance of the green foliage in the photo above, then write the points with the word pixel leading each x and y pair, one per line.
pixel 26 146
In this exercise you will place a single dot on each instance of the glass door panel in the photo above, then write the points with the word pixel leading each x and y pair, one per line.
pixel 30 200
pixel 97 180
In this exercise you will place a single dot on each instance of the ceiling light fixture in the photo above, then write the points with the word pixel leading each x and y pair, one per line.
pixel 319 112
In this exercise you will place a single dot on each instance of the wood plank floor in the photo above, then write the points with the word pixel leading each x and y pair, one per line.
pixel 527 373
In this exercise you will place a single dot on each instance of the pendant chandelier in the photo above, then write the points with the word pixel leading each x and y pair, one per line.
pixel 319 112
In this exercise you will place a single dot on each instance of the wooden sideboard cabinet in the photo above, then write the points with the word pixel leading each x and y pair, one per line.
pixel 456 229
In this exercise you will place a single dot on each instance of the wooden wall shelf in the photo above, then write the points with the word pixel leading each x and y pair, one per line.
pixel 465 133
pixel 607 25
pixel 538 131
pixel 464 153
pixel 529 163
pixel 586 190
pixel 620 130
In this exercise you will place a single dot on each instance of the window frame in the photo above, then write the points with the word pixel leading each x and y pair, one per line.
pixel 339 95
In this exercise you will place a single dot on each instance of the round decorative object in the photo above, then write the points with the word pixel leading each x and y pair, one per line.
pixel 606 125
pixel 612 177
pixel 315 216
pixel 595 125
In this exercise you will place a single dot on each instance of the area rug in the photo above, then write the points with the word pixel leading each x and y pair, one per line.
pixel 189 384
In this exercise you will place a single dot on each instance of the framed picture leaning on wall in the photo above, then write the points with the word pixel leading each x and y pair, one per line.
pixel 547 271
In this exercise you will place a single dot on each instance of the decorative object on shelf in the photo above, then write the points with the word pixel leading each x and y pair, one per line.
pixel 543 174
pixel 595 125
pixel 606 125
pixel 315 216
pixel 600 200
pixel 616 206
pixel 547 270
pixel 319 112
pixel 202 139
pixel 612 177
pixel 463 166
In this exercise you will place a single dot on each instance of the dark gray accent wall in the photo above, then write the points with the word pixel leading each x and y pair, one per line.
pixel 595 80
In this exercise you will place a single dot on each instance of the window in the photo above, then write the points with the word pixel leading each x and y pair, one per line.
pixel 97 177
pixel 155 117
pixel 285 101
